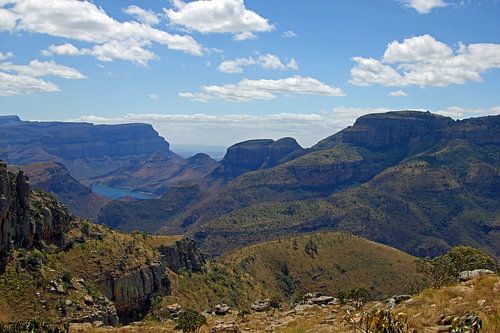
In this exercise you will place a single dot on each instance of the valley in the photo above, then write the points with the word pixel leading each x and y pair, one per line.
pixel 351 217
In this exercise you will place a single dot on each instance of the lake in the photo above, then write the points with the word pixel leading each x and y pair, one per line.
pixel 119 192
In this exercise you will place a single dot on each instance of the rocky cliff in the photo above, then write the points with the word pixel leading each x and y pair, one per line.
pixel 133 290
pixel 56 179
pixel 183 254
pixel 87 150
pixel 256 154
pixel 27 219
pixel 389 129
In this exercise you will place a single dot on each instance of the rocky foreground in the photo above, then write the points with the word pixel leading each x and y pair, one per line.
pixel 430 311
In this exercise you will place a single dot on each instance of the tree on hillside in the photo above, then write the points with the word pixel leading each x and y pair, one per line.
pixel 446 268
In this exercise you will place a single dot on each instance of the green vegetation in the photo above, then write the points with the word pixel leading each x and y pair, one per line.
pixel 339 262
pixel 32 326
pixel 446 268
pixel 190 321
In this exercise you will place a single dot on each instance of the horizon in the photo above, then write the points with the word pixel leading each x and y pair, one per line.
pixel 267 72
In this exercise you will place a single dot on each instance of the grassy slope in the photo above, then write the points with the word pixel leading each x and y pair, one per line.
pixel 443 197
pixel 340 262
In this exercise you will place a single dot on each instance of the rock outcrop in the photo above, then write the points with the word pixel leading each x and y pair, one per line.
pixel 256 154
pixel 87 150
pixel 56 179
pixel 132 291
pixel 183 254
pixel 27 219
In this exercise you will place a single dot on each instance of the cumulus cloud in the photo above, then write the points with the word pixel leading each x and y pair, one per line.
pixel 38 68
pixel 154 96
pixel 424 6
pixel 424 61
pixel 458 112
pixel 144 16
pixel 226 129
pixel 130 50
pixel 85 22
pixel 26 79
pixel 218 16
pixel 5 56
pixel 267 61
pixel 249 90
pixel 398 93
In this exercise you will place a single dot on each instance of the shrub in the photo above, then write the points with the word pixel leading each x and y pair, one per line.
pixel 38 326
pixel 190 321
pixel 378 321
pixel 445 269
pixel 354 294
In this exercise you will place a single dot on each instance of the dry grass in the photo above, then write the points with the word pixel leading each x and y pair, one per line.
pixel 430 305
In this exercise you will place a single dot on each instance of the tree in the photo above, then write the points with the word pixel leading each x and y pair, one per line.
pixel 190 321
pixel 446 268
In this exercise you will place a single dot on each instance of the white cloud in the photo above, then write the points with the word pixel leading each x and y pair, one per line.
pixel 458 112
pixel 420 48
pixel 129 50
pixel 227 129
pixel 424 6
pixel 5 56
pixel 267 61
pixel 66 49
pixel 154 96
pixel 249 90
pixel 42 68
pixel 398 93
pixel 144 16
pixel 289 34
pixel 7 19
pixel 424 61
pixel 84 21
pixel 26 79
pixel 11 85
pixel 218 16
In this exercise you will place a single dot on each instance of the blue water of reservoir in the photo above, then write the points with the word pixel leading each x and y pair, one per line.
pixel 119 192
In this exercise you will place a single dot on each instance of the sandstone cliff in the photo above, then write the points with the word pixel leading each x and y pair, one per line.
pixel 24 222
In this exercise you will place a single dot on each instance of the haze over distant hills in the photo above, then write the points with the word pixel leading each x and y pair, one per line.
pixel 413 180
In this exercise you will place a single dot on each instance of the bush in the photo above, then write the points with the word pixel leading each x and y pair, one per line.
pixel 445 269
pixel 379 321
pixel 190 321
pixel 354 294
pixel 38 326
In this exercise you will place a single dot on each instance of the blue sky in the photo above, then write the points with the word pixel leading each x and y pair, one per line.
pixel 215 72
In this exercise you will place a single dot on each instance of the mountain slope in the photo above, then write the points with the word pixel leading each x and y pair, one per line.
pixel 55 178
pixel 327 263
pixel 445 197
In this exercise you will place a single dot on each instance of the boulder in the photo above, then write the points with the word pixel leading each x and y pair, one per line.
pixel 261 305
pixel 221 309
pixel 321 300
pixel 469 275
pixel 225 328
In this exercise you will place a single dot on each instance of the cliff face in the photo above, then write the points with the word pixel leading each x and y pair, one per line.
pixel 389 129
pixel 183 254
pixel 133 290
pixel 87 150
pixel 256 154
pixel 56 179
pixel 25 224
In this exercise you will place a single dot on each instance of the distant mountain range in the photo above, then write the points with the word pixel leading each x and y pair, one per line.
pixel 413 180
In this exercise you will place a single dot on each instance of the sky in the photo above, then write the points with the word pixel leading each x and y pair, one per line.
pixel 217 72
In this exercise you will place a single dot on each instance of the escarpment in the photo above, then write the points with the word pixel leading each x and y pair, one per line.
pixel 183 254
pixel 27 219
pixel 132 291
pixel 256 154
